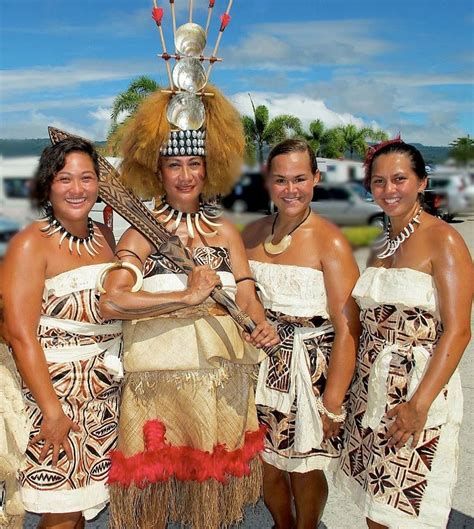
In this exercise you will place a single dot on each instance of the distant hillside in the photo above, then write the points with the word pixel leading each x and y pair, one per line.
pixel 29 147
pixel 433 155
pixel 33 147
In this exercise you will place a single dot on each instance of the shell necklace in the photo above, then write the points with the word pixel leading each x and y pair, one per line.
pixel 54 226
pixel 193 220
pixel 388 246
pixel 275 249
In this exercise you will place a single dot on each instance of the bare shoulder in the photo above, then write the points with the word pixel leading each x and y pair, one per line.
pixel 28 245
pixel 331 238
pixel 252 233
pixel 443 238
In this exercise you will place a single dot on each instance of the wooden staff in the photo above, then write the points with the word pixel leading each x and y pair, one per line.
pixel 132 209
pixel 225 19
pixel 173 17
pixel 157 14
pixel 209 14
pixel 190 10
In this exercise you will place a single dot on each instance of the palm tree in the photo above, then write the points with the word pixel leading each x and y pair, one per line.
pixel 462 150
pixel 262 131
pixel 354 140
pixel 127 102
pixel 324 142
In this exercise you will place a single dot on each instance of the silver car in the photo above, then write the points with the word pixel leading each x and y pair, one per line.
pixel 342 204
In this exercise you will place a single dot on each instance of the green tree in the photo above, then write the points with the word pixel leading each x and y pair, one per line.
pixel 127 102
pixel 355 139
pixel 324 142
pixel 262 131
pixel 462 150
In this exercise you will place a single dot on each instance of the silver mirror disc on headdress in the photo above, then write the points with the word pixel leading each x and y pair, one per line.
pixel 190 39
pixel 186 111
pixel 189 75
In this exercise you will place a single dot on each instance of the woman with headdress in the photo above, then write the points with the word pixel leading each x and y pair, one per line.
pixel 405 408
pixel 65 351
pixel 189 435
pixel 305 272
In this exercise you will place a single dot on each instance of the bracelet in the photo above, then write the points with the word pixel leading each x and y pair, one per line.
pixel 246 278
pixel 333 416
pixel 129 253
pixel 120 264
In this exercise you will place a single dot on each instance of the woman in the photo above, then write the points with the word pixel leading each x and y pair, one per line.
pixel 305 271
pixel 61 343
pixel 405 402
pixel 189 437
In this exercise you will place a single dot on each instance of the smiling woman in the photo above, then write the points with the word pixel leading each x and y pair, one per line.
pixel 66 353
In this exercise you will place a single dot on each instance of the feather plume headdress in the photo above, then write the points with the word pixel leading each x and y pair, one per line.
pixel 191 118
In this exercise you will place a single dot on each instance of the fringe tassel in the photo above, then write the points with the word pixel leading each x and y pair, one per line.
pixel 144 384
pixel 207 505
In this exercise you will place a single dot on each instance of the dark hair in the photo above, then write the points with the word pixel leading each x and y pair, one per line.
pixel 394 146
pixel 293 145
pixel 52 160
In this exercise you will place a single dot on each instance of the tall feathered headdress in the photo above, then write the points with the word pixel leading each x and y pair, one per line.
pixel 190 118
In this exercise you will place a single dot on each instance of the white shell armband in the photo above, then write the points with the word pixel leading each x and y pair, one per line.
pixel 120 264
pixel 333 416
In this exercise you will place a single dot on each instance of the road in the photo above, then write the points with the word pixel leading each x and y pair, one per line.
pixel 340 513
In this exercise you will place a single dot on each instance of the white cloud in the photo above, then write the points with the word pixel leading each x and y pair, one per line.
pixel 297 46
pixel 302 106
pixel 35 125
pixel 53 77
pixel 70 102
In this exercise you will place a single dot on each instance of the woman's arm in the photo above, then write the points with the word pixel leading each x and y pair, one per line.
pixel 25 259
pixel 454 279
pixel 119 302
pixel 246 298
pixel 340 275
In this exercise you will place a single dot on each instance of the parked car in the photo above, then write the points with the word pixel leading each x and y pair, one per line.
pixel 450 189
pixel 8 228
pixel 343 205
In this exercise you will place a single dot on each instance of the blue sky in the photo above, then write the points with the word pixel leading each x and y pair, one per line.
pixel 400 65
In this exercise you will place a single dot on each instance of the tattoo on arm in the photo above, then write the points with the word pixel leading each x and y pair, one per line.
pixel 157 310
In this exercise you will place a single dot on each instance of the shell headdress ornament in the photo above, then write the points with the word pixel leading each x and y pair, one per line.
pixel 190 118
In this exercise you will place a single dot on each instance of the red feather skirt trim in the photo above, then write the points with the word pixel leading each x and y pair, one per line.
pixel 161 461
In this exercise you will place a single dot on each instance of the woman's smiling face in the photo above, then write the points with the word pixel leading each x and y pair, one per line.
pixel 394 184
pixel 290 182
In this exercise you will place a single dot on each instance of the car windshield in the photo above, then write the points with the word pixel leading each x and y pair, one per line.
pixel 438 182
pixel 361 191
pixel 16 187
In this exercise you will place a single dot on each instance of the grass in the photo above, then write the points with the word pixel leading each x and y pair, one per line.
pixel 361 235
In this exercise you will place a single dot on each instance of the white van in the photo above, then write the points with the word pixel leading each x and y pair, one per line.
pixel 15 205
pixel 15 176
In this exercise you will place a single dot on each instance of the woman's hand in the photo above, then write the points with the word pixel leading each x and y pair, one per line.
pixel 54 432
pixel 201 282
pixel 264 335
pixel 408 421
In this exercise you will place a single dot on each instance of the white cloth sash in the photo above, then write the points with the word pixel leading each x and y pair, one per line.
pixel 308 424
pixel 378 388
pixel 112 347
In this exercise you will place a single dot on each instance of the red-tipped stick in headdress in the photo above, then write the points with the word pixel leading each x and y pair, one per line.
pixel 225 19
pixel 173 17
pixel 157 15
pixel 209 14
